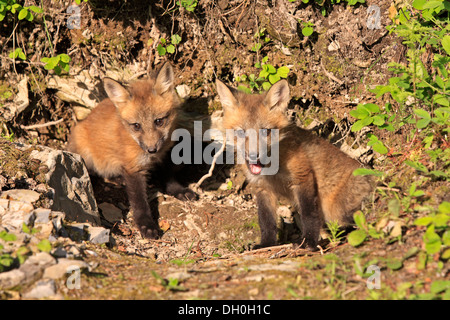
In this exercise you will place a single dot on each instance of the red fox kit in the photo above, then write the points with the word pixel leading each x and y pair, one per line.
pixel 312 173
pixel 127 133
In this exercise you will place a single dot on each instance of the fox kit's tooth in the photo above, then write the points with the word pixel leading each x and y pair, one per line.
pixel 313 174
pixel 127 133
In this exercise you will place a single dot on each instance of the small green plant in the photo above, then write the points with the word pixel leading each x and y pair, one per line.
pixel 172 284
pixel 18 53
pixel 336 233
pixel 261 38
pixel 168 46
pixel 307 28
pixel 14 7
pixel 268 76
pixel 357 237
pixel 437 235
pixel 58 63
pixel 189 5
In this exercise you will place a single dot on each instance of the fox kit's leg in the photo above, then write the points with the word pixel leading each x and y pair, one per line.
pixel 266 217
pixel 136 186
pixel 308 207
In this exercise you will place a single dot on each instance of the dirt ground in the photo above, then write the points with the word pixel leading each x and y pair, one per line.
pixel 205 252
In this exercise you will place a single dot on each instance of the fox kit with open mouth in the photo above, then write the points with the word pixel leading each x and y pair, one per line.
pixel 315 176
pixel 126 134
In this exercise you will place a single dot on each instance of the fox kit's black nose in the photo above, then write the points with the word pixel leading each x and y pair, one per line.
pixel 151 150
pixel 253 156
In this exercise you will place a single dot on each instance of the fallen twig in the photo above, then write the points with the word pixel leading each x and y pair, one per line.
pixel 211 169
pixel 41 125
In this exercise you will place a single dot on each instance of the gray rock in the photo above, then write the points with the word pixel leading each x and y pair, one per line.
pixel 110 212
pixel 23 195
pixel 11 278
pixel 72 188
pixel 42 215
pixel 99 235
pixel 64 267
pixel 42 289
pixel 35 265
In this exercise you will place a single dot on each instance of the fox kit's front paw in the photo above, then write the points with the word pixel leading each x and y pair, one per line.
pixel 148 228
pixel 186 194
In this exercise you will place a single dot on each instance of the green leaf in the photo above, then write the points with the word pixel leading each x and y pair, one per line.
pixel 360 220
pixel 45 245
pixel 283 72
pixel 5 236
pixel 51 63
pixel 394 264
pixel 358 125
pixel 175 39
pixel 170 48
pixel 432 241
pixel 161 50
pixel 441 99
pixel 440 220
pixel 371 107
pixel 418 4
pixel 423 221
pixel 422 113
pixel 35 9
pixel 367 172
pixel 379 147
pixel 439 286
pixel 307 31
pixel 357 237
pixel 444 207
pixel 446 44
pixel 264 73
pixel 266 85
pixel 64 58
pixel 270 69
pixel 23 14
pixel 274 78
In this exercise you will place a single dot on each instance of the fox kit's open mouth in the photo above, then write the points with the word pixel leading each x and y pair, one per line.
pixel 255 167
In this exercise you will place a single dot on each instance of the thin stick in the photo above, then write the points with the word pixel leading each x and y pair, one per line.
pixel 211 169
pixel 41 125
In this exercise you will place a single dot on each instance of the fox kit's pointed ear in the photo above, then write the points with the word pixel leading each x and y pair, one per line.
pixel 226 97
pixel 278 96
pixel 115 91
pixel 164 80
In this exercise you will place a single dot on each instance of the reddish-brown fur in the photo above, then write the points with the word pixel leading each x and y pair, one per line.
pixel 315 176
pixel 127 133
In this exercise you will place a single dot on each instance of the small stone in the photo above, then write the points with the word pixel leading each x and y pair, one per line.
pixel 110 212
pixel 11 278
pixel 42 215
pixel 99 235
pixel 42 289
pixel 23 195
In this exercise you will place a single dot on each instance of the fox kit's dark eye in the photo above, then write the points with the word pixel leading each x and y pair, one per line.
pixel 265 132
pixel 160 122
pixel 136 126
